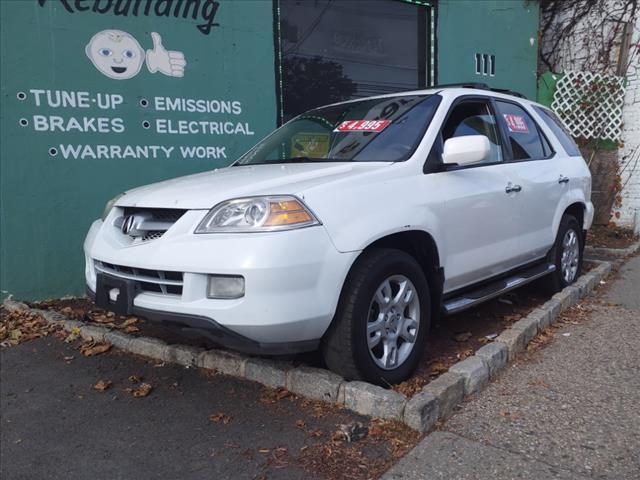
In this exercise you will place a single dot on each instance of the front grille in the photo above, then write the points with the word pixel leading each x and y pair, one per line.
pixel 152 235
pixel 156 221
pixel 170 215
pixel 157 281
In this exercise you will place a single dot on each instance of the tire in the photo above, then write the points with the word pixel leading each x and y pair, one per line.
pixel 366 325
pixel 563 256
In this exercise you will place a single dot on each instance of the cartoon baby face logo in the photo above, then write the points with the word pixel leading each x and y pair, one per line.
pixel 118 55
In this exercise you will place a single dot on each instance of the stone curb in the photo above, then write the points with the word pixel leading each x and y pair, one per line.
pixel 437 400
pixel 614 252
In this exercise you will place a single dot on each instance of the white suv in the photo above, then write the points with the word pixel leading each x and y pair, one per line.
pixel 351 227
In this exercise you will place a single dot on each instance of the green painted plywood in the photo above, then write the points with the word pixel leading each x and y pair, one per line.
pixel 507 29
pixel 112 129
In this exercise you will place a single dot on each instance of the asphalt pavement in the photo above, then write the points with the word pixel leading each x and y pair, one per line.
pixel 566 411
pixel 55 425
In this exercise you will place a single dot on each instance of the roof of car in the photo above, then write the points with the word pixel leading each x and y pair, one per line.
pixel 455 90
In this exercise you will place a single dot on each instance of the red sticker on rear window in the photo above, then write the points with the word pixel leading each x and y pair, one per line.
pixel 516 123
pixel 362 126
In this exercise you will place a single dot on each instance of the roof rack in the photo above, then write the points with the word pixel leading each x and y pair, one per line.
pixel 480 86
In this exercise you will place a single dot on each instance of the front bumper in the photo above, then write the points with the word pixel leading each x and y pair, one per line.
pixel 193 325
pixel 293 281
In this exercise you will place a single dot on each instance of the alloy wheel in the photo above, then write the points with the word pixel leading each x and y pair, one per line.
pixel 570 256
pixel 393 322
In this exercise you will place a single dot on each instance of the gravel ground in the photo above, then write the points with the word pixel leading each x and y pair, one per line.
pixel 569 410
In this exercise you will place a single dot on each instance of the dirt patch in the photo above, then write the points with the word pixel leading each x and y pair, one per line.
pixel 611 236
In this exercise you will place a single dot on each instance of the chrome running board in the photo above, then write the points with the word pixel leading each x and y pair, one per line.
pixel 495 289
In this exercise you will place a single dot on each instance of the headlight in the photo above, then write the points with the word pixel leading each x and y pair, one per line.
pixel 109 206
pixel 257 214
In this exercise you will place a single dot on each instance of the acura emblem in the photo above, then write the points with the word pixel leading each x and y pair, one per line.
pixel 128 224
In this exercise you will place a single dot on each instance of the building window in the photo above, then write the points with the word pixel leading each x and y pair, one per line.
pixel 485 64
pixel 332 51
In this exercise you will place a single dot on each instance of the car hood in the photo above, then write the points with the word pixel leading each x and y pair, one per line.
pixel 204 190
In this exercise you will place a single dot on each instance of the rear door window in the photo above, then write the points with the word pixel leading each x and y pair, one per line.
pixel 522 132
pixel 559 130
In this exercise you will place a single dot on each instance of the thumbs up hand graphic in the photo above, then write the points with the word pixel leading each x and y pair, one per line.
pixel 165 61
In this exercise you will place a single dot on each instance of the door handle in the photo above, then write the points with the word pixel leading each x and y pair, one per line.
pixel 563 179
pixel 510 188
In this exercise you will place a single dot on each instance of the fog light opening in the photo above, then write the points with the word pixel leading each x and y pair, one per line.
pixel 225 286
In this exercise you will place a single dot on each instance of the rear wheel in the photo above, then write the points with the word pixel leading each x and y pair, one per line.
pixel 566 254
pixel 381 325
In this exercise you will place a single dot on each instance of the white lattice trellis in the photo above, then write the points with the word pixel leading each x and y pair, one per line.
pixel 590 104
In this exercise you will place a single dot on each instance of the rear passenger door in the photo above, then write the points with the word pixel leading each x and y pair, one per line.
pixel 538 169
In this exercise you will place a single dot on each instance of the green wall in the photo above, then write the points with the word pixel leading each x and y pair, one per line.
pixel 48 201
pixel 507 29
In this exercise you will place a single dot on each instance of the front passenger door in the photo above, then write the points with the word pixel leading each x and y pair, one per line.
pixel 479 218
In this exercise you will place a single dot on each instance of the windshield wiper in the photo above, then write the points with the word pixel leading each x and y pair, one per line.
pixel 307 160
pixel 295 160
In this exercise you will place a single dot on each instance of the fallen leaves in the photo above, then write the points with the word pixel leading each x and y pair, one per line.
pixel 270 396
pixel 412 386
pixel 102 385
pixel 73 335
pixel 543 338
pixel 93 348
pixel 21 326
pixel 142 390
pixel 512 318
pixel 220 417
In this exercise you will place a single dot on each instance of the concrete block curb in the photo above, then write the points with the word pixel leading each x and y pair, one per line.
pixel 554 307
pixel 513 340
pixel 229 363
pixel 436 401
pixel 448 388
pixel 614 252
pixel 422 411
pixel 567 297
pixel 542 318
pixel 149 347
pixel 267 372
pixel 602 270
pixel 475 372
pixel 368 399
pixel 495 355
pixel 119 340
pixel 315 383
pixel 15 306
pixel 183 355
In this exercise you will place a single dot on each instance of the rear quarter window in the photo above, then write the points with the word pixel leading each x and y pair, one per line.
pixel 559 130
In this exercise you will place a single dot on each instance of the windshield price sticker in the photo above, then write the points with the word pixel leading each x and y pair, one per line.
pixel 362 126
pixel 516 123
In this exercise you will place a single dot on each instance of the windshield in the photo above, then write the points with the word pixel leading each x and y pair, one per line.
pixel 373 130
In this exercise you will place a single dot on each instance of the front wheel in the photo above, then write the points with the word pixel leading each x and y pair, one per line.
pixel 381 325
pixel 566 254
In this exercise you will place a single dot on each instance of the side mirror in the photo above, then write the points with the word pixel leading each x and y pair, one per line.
pixel 463 151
